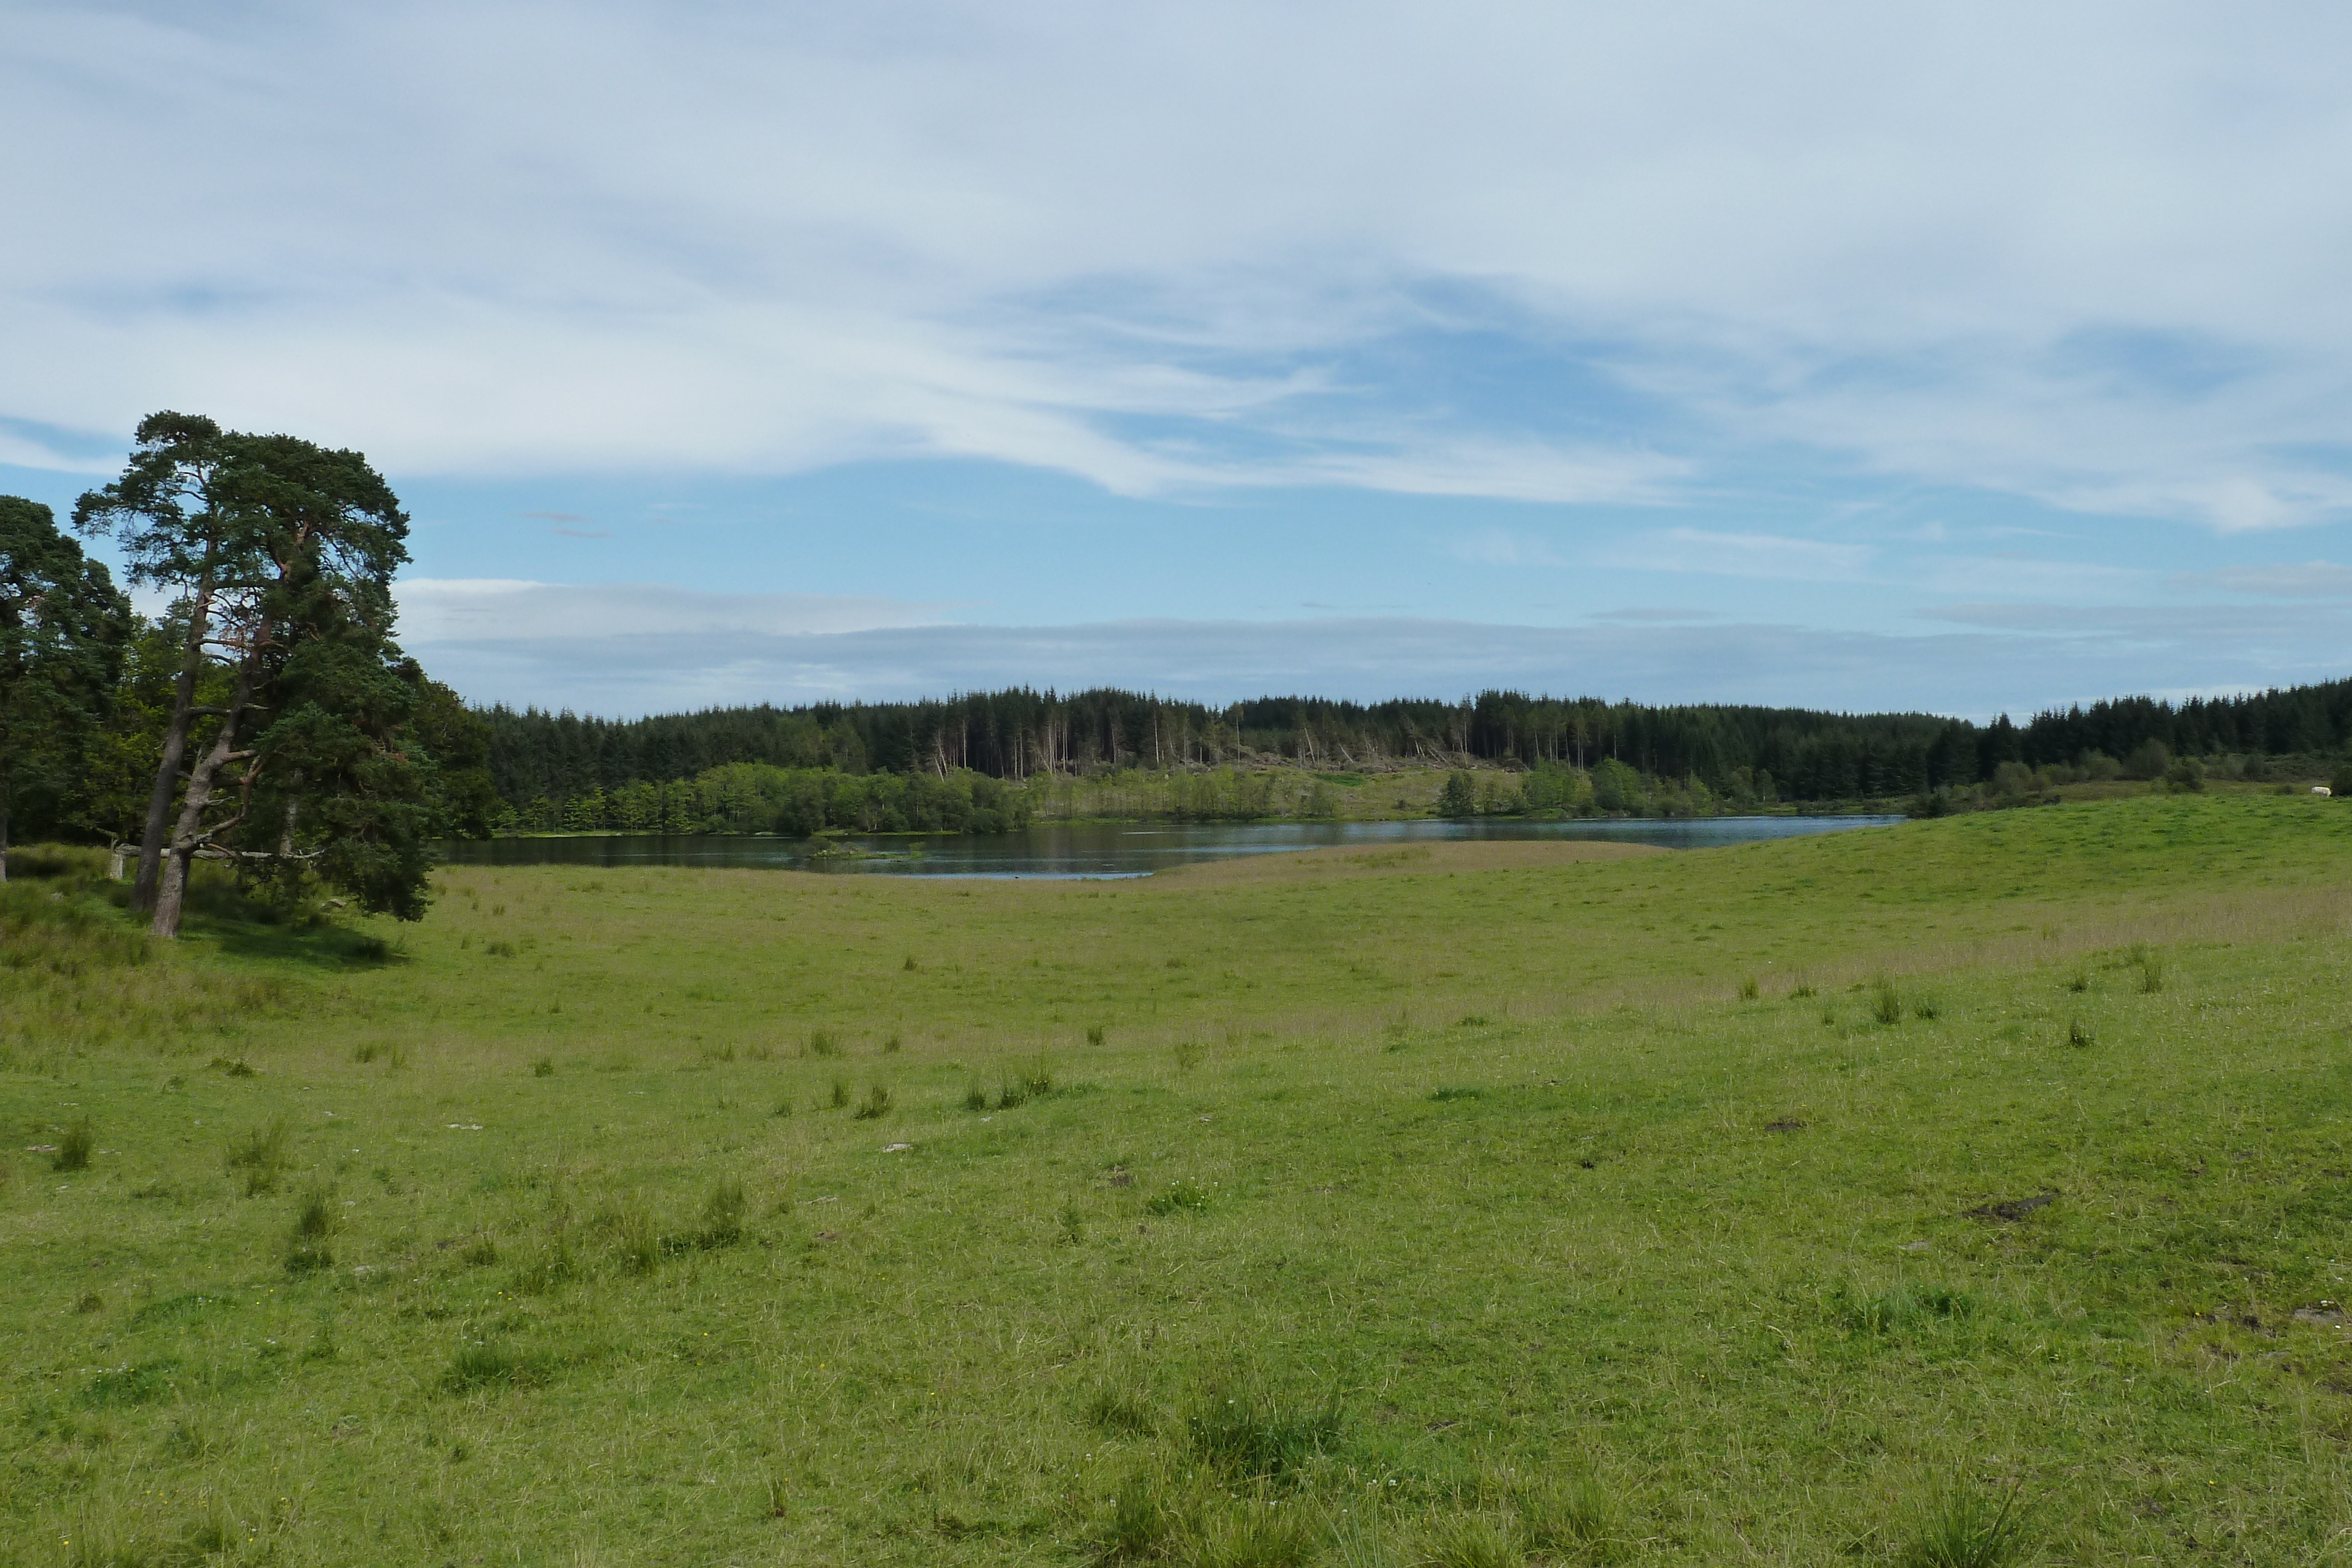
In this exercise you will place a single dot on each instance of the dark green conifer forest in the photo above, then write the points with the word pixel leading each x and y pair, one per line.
pixel 541 762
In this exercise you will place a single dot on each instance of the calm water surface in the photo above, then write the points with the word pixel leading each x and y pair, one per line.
pixel 1100 850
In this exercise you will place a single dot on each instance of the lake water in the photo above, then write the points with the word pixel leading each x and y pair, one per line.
pixel 1104 849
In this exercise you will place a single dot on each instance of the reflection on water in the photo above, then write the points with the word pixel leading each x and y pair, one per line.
pixel 1097 850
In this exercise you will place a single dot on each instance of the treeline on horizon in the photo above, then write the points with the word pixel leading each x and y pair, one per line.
pixel 539 762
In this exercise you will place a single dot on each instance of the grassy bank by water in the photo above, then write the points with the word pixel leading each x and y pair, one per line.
pixel 1809 1201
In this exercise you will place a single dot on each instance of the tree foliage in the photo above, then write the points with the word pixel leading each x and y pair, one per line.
pixel 278 723
pixel 63 627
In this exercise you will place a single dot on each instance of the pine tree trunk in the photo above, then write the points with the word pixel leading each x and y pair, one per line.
pixel 173 885
pixel 167 773
pixel 170 889
pixel 4 838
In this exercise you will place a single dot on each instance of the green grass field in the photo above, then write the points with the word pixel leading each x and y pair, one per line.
pixel 1806 1202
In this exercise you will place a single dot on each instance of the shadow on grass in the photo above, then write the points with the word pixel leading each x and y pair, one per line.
pixel 217 911
pixel 320 947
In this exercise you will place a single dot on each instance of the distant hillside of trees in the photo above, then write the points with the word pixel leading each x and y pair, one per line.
pixel 1737 752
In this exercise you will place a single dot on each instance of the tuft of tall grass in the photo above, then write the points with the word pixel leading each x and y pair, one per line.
pixel 485 1364
pixel 1255 1535
pixel 1887 1009
pixel 1120 1408
pixel 1470 1541
pixel 260 1154
pixel 1565 1514
pixel 630 1233
pixel 1360 1539
pixel 722 1216
pixel 820 1042
pixel 1142 1522
pixel 876 1105
pixel 976 1098
pixel 1032 1080
pixel 74 1147
pixel 1959 1527
pixel 554 1267
pixel 543 1067
pixel 1183 1193
pixel 1902 1308
pixel 1243 1433
pixel 316 1220
pixel 1096 1034
pixel 840 1096
pixel 2078 1033
pixel 1750 989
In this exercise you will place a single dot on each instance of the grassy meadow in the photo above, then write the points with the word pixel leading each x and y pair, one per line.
pixel 1968 1191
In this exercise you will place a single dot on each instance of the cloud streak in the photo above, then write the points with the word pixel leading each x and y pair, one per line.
pixel 2044 253
pixel 628 650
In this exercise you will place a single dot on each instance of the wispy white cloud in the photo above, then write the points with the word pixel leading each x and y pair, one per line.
pixel 26 452
pixel 2050 252
pixel 1771 556
pixel 443 612
pixel 2041 576
pixel 1499 547
pixel 2312 579
pixel 1658 616
pixel 1496 470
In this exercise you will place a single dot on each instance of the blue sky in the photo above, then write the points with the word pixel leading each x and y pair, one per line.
pixel 1846 356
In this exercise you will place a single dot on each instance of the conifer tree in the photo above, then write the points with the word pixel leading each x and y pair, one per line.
pixel 279 555
pixel 63 626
